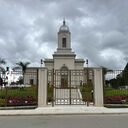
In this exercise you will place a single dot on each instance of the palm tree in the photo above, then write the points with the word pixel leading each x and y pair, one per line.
pixel 23 66
pixel 2 61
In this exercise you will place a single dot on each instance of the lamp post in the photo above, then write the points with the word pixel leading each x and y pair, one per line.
pixel 87 62
pixel 41 61
pixel 6 87
pixel 87 84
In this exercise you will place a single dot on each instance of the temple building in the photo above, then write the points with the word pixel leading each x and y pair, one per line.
pixel 64 63
pixel 64 58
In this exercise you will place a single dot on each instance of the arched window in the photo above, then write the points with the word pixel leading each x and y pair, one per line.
pixel 64 77
pixel 64 68
pixel 64 42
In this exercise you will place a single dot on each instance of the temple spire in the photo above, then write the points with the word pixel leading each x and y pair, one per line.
pixel 64 21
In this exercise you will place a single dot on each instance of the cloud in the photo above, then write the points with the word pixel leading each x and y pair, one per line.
pixel 99 30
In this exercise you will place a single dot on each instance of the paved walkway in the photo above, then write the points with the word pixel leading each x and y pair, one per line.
pixel 62 96
pixel 66 110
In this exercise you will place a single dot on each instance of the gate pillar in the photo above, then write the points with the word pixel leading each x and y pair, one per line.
pixel 98 87
pixel 42 87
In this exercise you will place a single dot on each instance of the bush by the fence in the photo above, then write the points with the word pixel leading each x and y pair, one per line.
pixel 116 100
pixel 50 93
pixel 18 101
pixel 2 102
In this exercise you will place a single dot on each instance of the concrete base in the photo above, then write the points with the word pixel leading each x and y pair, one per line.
pixel 65 110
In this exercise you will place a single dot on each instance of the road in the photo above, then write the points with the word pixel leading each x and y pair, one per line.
pixel 65 121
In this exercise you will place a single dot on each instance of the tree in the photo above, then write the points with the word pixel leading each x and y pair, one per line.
pixel 2 61
pixel 124 76
pixel 20 80
pixel 23 66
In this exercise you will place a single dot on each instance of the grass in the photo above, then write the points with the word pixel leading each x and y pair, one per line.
pixel 11 93
pixel 110 92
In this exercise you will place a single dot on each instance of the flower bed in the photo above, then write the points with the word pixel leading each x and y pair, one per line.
pixel 18 101
pixel 116 100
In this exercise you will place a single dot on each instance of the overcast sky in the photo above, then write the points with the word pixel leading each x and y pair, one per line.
pixel 99 30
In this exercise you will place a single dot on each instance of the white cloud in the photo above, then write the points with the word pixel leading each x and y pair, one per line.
pixel 99 30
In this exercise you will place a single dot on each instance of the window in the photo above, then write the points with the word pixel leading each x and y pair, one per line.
pixel 64 42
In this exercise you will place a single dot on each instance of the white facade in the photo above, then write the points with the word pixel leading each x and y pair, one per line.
pixel 30 76
pixel 64 57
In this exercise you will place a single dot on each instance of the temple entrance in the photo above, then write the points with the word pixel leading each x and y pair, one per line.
pixel 64 81
pixel 64 77
pixel 71 87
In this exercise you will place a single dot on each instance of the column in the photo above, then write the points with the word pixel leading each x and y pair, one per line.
pixel 42 87
pixel 98 87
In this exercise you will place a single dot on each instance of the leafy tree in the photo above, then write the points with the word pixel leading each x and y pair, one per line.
pixel 113 83
pixel 121 79
pixel 124 75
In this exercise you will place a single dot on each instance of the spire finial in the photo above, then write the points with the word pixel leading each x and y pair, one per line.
pixel 64 21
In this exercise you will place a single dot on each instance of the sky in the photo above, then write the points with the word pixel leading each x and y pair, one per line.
pixel 99 30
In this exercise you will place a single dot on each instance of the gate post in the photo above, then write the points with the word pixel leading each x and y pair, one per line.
pixel 98 87
pixel 42 87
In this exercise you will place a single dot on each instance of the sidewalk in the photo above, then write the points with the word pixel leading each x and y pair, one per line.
pixel 65 110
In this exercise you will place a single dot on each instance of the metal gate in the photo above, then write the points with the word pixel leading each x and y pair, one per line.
pixel 70 87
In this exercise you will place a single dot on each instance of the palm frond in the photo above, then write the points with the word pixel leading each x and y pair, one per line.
pixel 2 61
pixel 16 68
pixel 2 69
pixel 23 65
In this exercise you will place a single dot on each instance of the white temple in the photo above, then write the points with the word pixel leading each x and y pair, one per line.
pixel 64 57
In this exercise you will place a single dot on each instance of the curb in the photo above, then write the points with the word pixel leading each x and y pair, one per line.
pixel 64 111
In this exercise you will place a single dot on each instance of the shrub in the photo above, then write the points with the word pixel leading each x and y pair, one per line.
pixel 2 102
pixel 18 101
pixel 50 93
pixel 116 100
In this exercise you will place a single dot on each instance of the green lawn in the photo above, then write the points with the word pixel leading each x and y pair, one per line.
pixel 11 93
pixel 110 92
pixel 85 91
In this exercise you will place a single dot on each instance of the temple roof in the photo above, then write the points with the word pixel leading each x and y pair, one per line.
pixel 64 27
